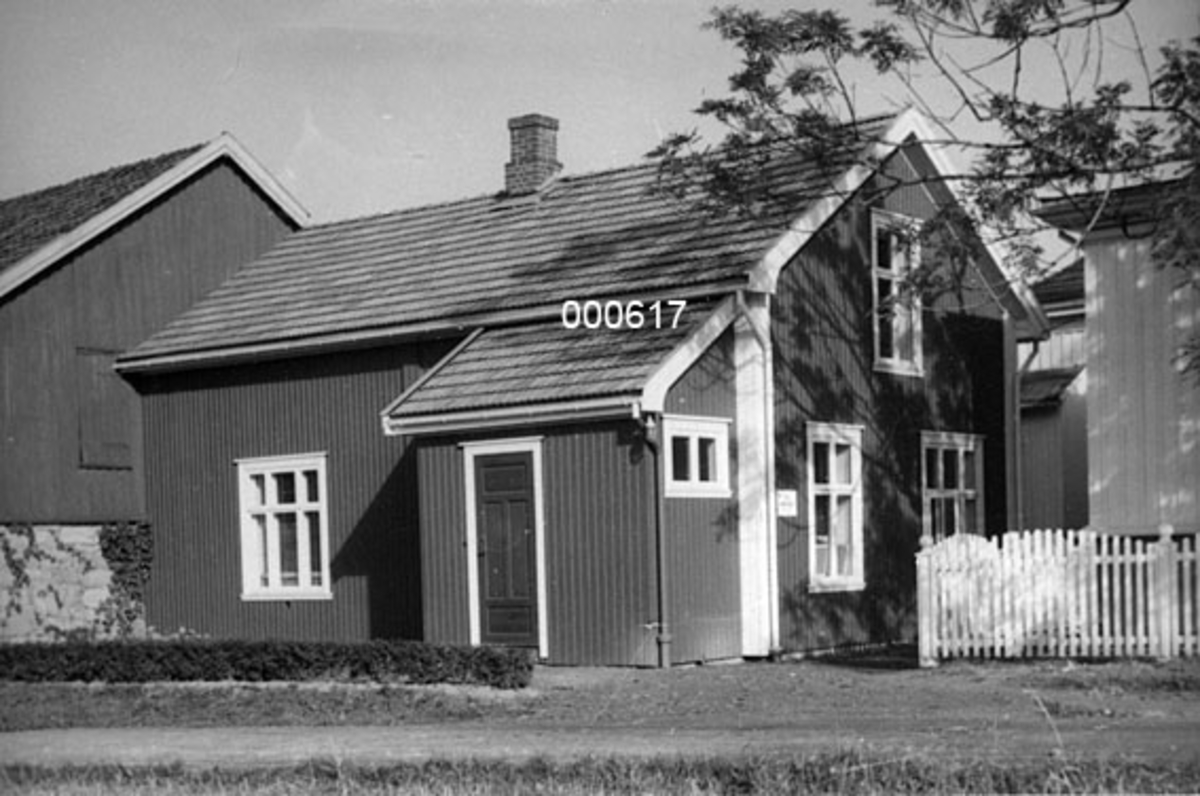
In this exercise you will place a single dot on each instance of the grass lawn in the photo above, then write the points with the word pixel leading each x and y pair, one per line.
pixel 32 706
pixel 1035 726
pixel 848 772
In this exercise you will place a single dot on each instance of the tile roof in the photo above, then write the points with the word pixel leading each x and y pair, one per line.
pixel 545 362
pixel 30 221
pixel 1105 209
pixel 589 235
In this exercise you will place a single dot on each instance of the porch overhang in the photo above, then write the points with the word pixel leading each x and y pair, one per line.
pixel 616 407
pixel 541 374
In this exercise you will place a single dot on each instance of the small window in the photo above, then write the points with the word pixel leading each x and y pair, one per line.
pixel 835 507
pixel 697 453
pixel 951 483
pixel 896 320
pixel 284 521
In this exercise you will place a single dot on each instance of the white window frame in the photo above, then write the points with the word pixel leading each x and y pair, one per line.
pixel 256 560
pixel 905 316
pixel 695 428
pixel 852 436
pixel 959 444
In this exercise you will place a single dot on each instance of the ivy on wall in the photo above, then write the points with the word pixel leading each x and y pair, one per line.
pixel 128 548
pixel 51 587
pixel 18 561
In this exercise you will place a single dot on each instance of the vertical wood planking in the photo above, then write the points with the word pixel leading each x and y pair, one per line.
pixel 307 405
pixel 110 296
pixel 1140 468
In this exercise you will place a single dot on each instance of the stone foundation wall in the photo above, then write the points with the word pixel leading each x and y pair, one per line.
pixel 55 584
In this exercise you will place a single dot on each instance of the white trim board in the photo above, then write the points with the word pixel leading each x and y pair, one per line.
pixel 677 363
pixel 472 450
pixel 511 416
pixel 910 125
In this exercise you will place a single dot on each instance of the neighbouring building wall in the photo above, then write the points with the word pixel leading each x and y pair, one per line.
pixel 600 551
pixel 1143 413
pixel 71 450
pixel 1054 469
pixel 825 372
pixel 199 423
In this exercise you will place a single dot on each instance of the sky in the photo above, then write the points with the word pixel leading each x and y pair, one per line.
pixel 366 106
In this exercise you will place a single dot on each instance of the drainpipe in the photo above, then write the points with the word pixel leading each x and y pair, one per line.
pixel 651 436
pixel 1018 453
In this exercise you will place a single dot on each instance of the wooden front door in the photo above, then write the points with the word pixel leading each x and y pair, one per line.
pixel 507 555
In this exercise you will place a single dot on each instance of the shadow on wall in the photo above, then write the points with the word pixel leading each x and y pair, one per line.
pixel 385 548
pixel 826 370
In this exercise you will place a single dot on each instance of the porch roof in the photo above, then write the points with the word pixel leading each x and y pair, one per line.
pixel 543 368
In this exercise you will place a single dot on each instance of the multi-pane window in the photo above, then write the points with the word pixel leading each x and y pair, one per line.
pixel 896 317
pixel 951 483
pixel 835 507
pixel 284 526
pixel 697 456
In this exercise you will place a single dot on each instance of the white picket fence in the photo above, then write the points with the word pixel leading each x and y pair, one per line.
pixel 1058 593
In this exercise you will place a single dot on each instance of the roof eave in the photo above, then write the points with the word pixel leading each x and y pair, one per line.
pixel 135 363
pixel 225 145
pixel 614 407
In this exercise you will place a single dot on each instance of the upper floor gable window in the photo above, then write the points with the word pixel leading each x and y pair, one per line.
pixel 896 319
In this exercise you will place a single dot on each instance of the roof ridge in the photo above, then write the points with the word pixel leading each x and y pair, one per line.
pixel 499 196
pixel 496 196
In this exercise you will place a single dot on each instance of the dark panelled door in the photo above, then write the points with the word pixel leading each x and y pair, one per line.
pixel 507 563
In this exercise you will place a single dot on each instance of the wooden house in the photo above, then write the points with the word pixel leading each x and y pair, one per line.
pixel 614 429
pixel 1143 412
pixel 89 269
pixel 1053 431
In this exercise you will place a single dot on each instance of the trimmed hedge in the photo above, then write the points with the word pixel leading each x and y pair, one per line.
pixel 256 661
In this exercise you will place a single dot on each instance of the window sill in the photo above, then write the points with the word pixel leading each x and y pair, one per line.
pixel 900 369
pixel 282 596
pixel 692 491
pixel 828 586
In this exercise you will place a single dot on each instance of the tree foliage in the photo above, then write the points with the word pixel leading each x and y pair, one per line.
pixel 1034 136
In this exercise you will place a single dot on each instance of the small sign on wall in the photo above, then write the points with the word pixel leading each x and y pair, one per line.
pixel 785 503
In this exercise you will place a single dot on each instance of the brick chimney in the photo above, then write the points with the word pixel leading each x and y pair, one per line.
pixel 534 153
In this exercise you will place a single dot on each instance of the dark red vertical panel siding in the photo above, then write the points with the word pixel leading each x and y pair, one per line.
pixel 600 570
pixel 601 585
pixel 443 523
pixel 200 423
pixel 110 296
pixel 824 372
pixel 702 533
